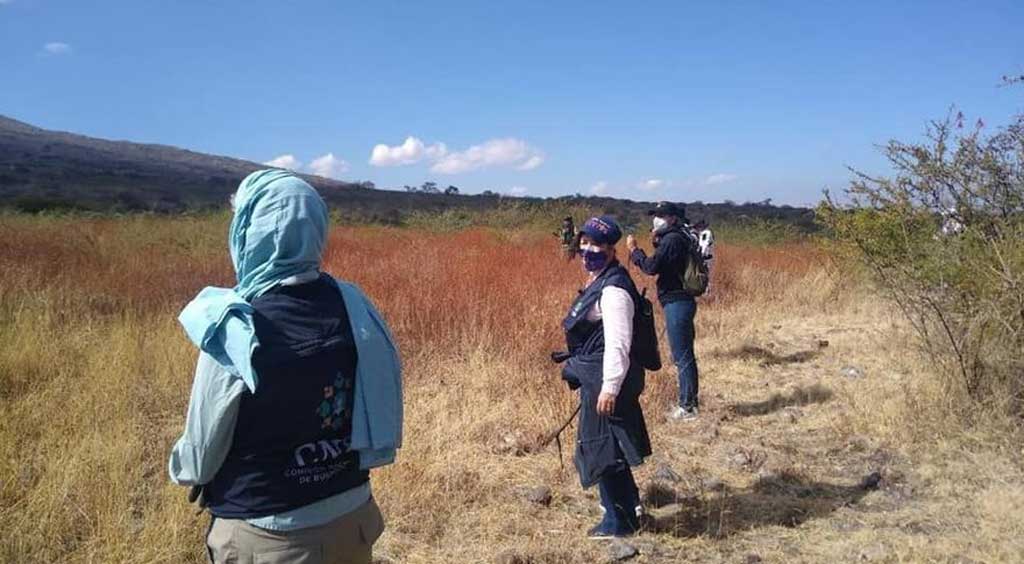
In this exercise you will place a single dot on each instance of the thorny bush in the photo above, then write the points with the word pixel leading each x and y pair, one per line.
pixel 944 237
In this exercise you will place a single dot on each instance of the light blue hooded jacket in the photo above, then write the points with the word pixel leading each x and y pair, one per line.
pixel 277 237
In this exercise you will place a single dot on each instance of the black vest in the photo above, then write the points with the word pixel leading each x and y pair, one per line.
pixel 291 442
pixel 603 444
pixel 587 337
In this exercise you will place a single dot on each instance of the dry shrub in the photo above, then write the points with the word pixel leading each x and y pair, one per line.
pixel 944 239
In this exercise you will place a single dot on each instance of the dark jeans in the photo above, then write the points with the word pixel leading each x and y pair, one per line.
pixel 679 326
pixel 619 497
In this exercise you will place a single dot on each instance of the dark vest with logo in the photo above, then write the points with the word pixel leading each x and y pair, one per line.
pixel 603 444
pixel 291 442
pixel 583 336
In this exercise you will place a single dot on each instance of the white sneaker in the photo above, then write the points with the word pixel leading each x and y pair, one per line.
pixel 639 510
pixel 683 414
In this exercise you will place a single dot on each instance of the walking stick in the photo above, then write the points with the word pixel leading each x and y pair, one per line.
pixel 556 435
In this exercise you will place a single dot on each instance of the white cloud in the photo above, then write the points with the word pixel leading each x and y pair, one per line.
pixel 411 151
pixel 57 48
pixel 495 152
pixel 328 166
pixel 532 162
pixel 510 152
pixel 518 191
pixel 651 184
pixel 599 189
pixel 720 178
pixel 288 162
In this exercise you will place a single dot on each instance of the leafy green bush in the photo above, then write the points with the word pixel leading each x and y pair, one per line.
pixel 944 237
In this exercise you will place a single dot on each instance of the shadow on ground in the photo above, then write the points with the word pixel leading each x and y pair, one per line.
pixel 798 396
pixel 786 500
pixel 766 357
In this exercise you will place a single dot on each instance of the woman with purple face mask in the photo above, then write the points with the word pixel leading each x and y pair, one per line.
pixel 612 435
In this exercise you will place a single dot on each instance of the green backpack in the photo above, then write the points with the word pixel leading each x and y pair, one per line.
pixel 695 275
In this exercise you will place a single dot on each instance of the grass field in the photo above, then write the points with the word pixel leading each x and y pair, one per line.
pixel 809 384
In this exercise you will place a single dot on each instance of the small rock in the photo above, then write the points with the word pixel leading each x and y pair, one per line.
pixel 753 558
pixel 847 526
pixel 793 413
pixel 511 443
pixel 708 433
pixel 619 551
pixel 647 547
pixel 874 553
pixel 713 484
pixel 858 443
pixel 541 495
pixel 898 492
pixel 766 475
pixel 509 556
pixel 739 458
pixel 776 327
pixel 822 343
pixel 666 474
pixel 871 481
pixel 852 372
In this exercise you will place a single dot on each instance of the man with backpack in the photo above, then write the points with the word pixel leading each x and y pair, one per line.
pixel 682 276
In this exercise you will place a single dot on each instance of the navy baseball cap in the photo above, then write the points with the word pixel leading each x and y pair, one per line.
pixel 602 230
pixel 662 209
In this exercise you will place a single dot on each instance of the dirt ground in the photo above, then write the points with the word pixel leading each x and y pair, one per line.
pixel 794 458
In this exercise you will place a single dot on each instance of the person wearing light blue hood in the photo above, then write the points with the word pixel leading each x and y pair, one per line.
pixel 297 392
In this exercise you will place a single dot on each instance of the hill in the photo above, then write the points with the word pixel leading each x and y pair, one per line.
pixel 42 169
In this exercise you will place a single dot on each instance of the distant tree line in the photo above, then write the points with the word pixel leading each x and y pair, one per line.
pixel 432 188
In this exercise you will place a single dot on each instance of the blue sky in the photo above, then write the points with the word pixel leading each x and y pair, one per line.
pixel 646 100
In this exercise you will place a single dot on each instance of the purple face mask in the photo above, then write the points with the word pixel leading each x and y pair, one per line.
pixel 594 259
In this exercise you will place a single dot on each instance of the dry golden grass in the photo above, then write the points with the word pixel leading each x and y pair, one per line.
pixel 95 376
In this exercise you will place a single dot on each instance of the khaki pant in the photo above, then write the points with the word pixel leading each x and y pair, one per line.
pixel 346 540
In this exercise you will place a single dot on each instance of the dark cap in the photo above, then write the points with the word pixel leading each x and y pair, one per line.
pixel 662 209
pixel 602 230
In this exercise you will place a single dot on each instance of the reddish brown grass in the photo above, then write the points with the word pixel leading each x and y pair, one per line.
pixel 436 290
pixel 96 373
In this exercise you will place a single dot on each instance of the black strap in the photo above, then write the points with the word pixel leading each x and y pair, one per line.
pixel 556 434
pixel 209 549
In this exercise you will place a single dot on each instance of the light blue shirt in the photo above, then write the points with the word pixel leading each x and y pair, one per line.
pixel 377 417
